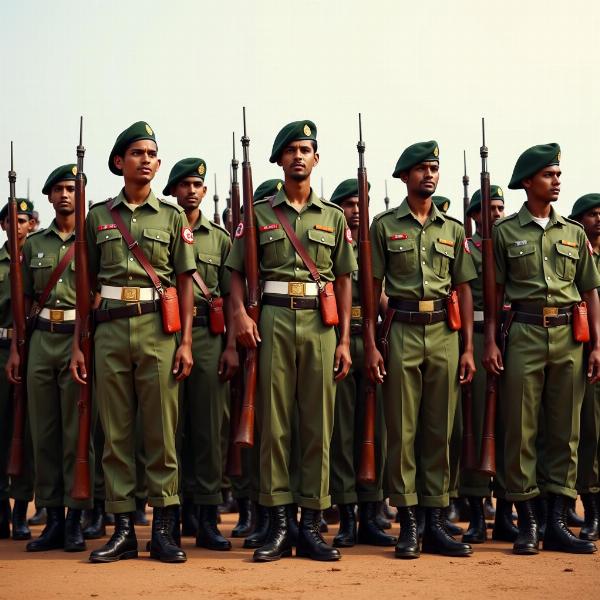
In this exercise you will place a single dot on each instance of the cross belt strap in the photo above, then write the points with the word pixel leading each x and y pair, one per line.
pixel 52 281
pixel 203 287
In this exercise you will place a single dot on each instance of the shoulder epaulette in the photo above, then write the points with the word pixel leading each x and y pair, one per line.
pixel 220 227
pixel 573 222
pixel 171 204
pixel 332 205
pixel 382 214
pixel 34 233
pixel 261 201
pixel 99 203
pixel 447 216
pixel 504 219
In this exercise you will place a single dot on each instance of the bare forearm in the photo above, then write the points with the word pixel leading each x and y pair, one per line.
pixel 343 296
pixel 185 293
pixel 593 307
pixel 465 304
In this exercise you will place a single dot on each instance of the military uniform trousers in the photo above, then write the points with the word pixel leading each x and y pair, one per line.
pixel 21 486
pixel 52 402
pixel 348 434
pixel 204 399
pixel 543 370
pixel 420 391
pixel 133 371
pixel 588 458
pixel 295 374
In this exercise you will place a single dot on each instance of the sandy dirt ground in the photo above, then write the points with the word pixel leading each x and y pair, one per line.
pixel 364 572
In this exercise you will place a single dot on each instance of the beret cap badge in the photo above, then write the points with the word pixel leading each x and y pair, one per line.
pixel 307 130
pixel 149 129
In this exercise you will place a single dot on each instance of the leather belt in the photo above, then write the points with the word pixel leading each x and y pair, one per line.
pixel 201 310
pixel 5 344
pixel 55 326
pixel 55 315
pixel 545 316
pixel 291 288
pixel 478 327
pixel 356 313
pixel 423 306
pixel 293 302
pixel 420 318
pixel 128 310
pixel 355 329
pixel 128 294
pixel 200 321
pixel 6 333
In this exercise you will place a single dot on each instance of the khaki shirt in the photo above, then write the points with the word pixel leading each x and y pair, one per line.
pixel 160 229
pixel 6 319
pixel 419 262
pixel 42 252
pixel 477 258
pixel 320 226
pixel 550 267
pixel 211 249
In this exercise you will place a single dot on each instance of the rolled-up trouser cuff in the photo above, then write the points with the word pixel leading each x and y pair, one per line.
pixel 404 499
pixel 592 489
pixel 78 504
pixel 162 501
pixel 315 503
pixel 276 499
pixel 344 498
pixel 552 488
pixel 521 496
pixel 435 501
pixel 120 506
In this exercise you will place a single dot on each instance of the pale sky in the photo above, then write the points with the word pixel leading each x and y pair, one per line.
pixel 417 71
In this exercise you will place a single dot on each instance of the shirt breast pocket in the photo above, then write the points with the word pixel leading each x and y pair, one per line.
pixel 155 244
pixel 41 269
pixel 208 268
pixel 321 247
pixel 272 248
pixel 110 243
pixel 522 262
pixel 402 256
pixel 566 261
pixel 442 256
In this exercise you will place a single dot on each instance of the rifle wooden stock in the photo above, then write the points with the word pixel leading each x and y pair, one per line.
pixel 366 472
pixel 81 481
pixel 468 459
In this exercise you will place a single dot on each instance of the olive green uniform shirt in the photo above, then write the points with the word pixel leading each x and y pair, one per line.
pixel 6 319
pixel 477 283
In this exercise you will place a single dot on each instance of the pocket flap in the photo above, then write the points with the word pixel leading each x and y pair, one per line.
pixel 444 249
pixel 158 235
pixel 400 245
pixel 322 237
pixel 211 259
pixel 567 251
pixel 42 263
pixel 266 237
pixel 518 251
pixel 107 235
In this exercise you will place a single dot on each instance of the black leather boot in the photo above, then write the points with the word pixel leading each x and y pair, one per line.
pixel 408 541
pixel 477 531
pixel 489 512
pixel 450 517
pixel 95 528
pixel 292 522
pixel 74 541
pixel 189 519
pixel 558 536
pixel 310 542
pixel 53 535
pixel 4 519
pixel 323 527
pixel 20 531
pixel 573 519
pixel 541 514
pixel 452 511
pixel 244 525
pixel 162 545
pixel 332 515
pixel 261 528
pixel 278 543
pixel 139 516
pixel 527 541
pixel 591 506
pixel 387 512
pixel 39 517
pixel 121 545
pixel 229 505
pixel 346 535
pixel 209 535
pixel 368 531
pixel 420 521
pixel 437 540
pixel 380 516
pixel 504 529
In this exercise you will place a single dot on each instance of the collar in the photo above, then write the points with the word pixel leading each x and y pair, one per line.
pixel 525 216
pixel 313 199
pixel 150 201
pixel 203 222
pixel 404 211
pixel 52 228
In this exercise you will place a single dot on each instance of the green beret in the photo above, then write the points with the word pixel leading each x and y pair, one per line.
pixel 534 159
pixel 442 203
pixel 267 188
pixel 188 167
pixel 292 132
pixel 583 204
pixel 496 193
pixel 346 189
pixel 24 207
pixel 134 133
pixel 415 154
pixel 63 173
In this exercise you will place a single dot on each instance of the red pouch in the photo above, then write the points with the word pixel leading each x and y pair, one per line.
pixel 328 305
pixel 453 310
pixel 216 317
pixel 581 327
pixel 169 305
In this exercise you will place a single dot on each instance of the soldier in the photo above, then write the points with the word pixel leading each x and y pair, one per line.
pixel 442 203
pixel 204 392
pixel 299 357
pixel 421 253
pixel 346 491
pixel 137 361
pixel 544 267
pixel 49 282
pixel 587 212
pixel 20 488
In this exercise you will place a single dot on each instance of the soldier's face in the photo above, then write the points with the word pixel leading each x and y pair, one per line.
pixel 544 185
pixel 422 179
pixel 22 226
pixel 298 160
pixel 591 222
pixel 140 162
pixel 350 208
pixel 189 193
pixel 496 212
pixel 62 197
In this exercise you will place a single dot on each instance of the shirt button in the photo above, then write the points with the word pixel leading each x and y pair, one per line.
pixel 423 248
pixel 106 237
pixel 323 239
pixel 134 220
pixel 548 278
pixel 39 264
pixel 63 247
pixel 521 252
pixel 297 218
pixel 423 262
pixel 58 302
pixel 545 258
pixel 297 268
pixel 210 260
pixel 130 278
pixel 270 238
pixel 158 237
pixel 427 282
pixel 60 281
pixel 130 259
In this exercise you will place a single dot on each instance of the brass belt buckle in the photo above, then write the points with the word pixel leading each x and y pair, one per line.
pixel 130 294
pixel 296 288
pixel 57 315
pixel 547 313
pixel 425 305
pixel 356 312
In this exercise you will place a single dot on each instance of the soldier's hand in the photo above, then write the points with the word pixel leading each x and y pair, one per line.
pixel 342 362
pixel 246 331
pixel 229 363
pixel 593 373
pixel 375 365
pixel 466 367
pixel 12 367
pixel 77 367
pixel 492 359
pixel 182 365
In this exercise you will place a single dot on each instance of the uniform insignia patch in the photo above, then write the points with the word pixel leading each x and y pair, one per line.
pixel 348 235
pixel 398 236
pixel 269 227
pixel 149 129
pixel 23 205
pixel 239 232
pixel 279 185
pixel 500 192
pixel 187 235
pixel 307 130
pixel 446 242
pixel 558 157
pixel 40 255
pixel 107 226
pixel 325 228
pixel 568 243
pixel 520 243
pixel 591 250
pixel 436 151
pixel 201 170
pixel 467 247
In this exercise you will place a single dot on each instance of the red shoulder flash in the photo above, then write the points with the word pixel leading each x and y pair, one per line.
pixel 591 250
pixel 348 235
pixel 239 232
pixel 187 235
pixel 467 247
